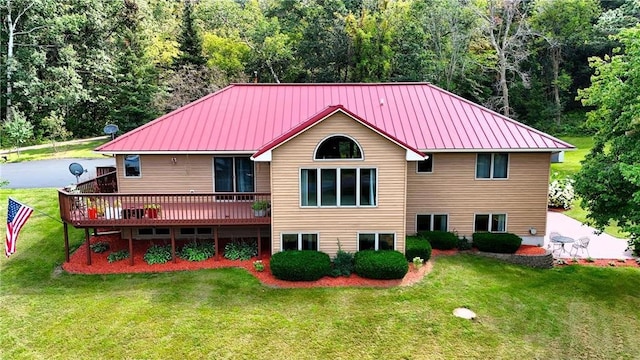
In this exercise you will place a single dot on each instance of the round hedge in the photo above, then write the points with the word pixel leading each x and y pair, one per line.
pixel 381 264
pixel 441 240
pixel 300 265
pixel 504 243
pixel 417 246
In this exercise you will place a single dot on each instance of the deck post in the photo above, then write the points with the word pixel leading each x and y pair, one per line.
pixel 259 245
pixel 173 245
pixel 131 247
pixel 66 241
pixel 86 237
pixel 215 242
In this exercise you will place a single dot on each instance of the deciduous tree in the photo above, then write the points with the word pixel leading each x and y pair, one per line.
pixel 609 181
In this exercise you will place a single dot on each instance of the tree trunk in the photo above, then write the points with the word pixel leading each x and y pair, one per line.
pixel 555 61
pixel 9 65
pixel 504 88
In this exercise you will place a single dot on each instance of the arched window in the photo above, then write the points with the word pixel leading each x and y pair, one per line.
pixel 338 147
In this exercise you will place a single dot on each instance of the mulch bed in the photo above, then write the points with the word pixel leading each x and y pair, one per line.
pixel 100 265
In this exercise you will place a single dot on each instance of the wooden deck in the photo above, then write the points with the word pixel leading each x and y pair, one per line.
pixel 140 210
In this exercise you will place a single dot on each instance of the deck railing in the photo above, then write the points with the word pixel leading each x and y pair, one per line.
pixel 103 183
pixel 83 208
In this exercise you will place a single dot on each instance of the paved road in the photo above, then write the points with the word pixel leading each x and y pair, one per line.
pixel 48 173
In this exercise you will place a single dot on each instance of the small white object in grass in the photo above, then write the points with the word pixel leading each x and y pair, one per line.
pixel 464 313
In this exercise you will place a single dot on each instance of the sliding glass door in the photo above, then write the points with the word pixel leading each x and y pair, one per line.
pixel 233 174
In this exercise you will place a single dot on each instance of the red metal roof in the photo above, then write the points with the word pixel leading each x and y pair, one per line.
pixel 247 117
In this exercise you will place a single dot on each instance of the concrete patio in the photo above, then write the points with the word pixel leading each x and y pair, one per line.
pixel 602 246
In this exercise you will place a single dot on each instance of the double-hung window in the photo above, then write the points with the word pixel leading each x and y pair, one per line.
pixel 376 241
pixel 432 222
pixel 490 222
pixel 349 187
pixel 299 241
pixel 492 166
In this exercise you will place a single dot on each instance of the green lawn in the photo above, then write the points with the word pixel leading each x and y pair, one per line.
pixel 81 151
pixel 564 313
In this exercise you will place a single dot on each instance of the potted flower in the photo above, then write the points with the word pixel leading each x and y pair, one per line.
pixel 258 265
pixel 152 210
pixel 260 208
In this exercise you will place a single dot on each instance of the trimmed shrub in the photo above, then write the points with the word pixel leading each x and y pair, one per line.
pixel 505 243
pixel 441 240
pixel 417 246
pixel 381 264
pixel 342 264
pixel 300 265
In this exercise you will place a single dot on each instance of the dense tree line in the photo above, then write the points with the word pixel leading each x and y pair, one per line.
pixel 73 66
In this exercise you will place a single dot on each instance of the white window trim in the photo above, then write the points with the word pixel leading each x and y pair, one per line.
pixel 124 166
pixel 377 238
pixel 506 221
pixel 475 170
pixel 282 233
pixel 430 155
pixel 338 181
pixel 431 222
pixel 315 151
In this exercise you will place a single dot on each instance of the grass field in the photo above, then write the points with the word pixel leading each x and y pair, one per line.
pixel 564 313
pixel 82 150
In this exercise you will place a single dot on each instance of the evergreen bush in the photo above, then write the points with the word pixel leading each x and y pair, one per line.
pixel 505 243
pixel 441 240
pixel 417 247
pixel 381 264
pixel 300 265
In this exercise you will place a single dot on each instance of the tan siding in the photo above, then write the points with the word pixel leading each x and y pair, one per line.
pixel 190 172
pixel 338 223
pixel 452 189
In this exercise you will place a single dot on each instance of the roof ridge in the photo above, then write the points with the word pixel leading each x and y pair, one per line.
pixel 333 84
pixel 513 121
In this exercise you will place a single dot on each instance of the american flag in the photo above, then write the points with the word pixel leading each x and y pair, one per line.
pixel 17 215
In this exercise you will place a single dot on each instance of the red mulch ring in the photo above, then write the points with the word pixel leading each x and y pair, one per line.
pixel 100 265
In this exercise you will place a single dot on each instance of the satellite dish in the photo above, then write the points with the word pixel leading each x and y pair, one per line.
pixel 77 170
pixel 111 129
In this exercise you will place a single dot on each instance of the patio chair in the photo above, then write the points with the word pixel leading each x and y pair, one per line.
pixel 581 244
pixel 554 246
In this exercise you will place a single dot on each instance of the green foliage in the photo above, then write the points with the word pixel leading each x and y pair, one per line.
pixel 158 254
pixel 464 244
pixel 99 247
pixel 441 240
pixel 241 250
pixel 381 264
pixel 504 243
pixel 300 265
pixel 197 251
pixel 18 129
pixel 609 181
pixel 118 255
pixel 417 246
pixel 55 128
pixel 342 264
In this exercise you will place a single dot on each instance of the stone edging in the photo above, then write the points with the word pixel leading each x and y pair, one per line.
pixel 534 261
